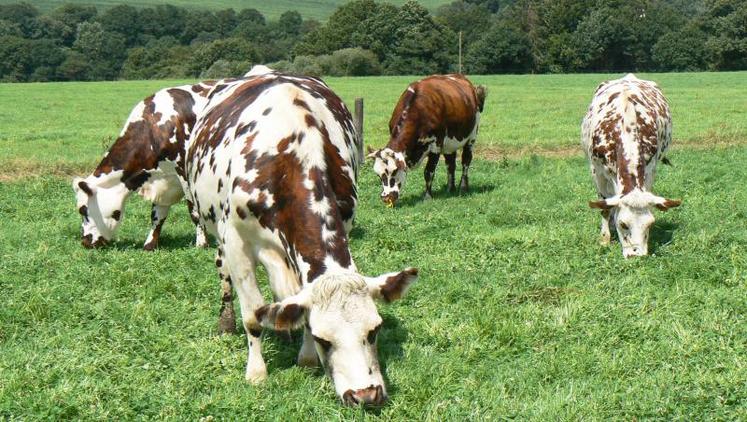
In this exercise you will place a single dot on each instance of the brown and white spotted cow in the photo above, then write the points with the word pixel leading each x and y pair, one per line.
pixel 437 115
pixel 272 169
pixel 626 131
pixel 147 157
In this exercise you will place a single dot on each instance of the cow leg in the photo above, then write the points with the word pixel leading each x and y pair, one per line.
pixel 307 356
pixel 227 321
pixel 200 235
pixel 450 168
pixel 430 170
pixel 466 161
pixel 604 191
pixel 241 267
pixel 158 214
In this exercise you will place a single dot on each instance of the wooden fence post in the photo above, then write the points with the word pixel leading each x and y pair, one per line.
pixel 358 120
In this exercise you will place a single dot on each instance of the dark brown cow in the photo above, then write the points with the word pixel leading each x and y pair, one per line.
pixel 437 115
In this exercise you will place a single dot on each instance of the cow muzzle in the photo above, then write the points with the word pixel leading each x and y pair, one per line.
pixel 390 199
pixel 371 396
pixel 88 243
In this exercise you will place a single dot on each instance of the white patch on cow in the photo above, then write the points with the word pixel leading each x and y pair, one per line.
pixel 164 104
pixel 321 208
pixel 258 70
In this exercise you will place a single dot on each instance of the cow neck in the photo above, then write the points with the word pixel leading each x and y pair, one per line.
pixel 631 164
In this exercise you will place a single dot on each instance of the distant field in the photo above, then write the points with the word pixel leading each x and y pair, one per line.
pixel 523 114
pixel 518 314
pixel 317 9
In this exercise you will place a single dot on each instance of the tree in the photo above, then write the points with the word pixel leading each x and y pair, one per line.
pixel 726 22
pixel 230 49
pixel 104 50
pixel 68 17
pixel 503 49
pixel 682 50
pixel 124 20
pixel 422 45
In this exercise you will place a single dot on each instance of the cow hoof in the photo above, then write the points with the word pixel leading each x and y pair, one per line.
pixel 150 247
pixel 227 323
pixel 256 375
pixel 310 361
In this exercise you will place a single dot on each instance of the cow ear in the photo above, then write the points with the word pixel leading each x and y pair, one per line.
pixel 285 315
pixel 605 204
pixel 80 184
pixel 372 153
pixel 391 286
pixel 664 204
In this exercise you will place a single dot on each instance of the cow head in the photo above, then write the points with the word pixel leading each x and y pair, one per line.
pixel 340 312
pixel 633 218
pixel 100 208
pixel 391 168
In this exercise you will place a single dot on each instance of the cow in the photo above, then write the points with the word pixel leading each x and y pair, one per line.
pixel 147 157
pixel 272 169
pixel 436 115
pixel 626 131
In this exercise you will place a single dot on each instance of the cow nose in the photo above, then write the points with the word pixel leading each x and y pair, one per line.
pixel 371 396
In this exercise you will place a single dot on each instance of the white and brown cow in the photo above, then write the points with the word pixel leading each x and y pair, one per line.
pixel 437 115
pixel 147 157
pixel 272 170
pixel 626 131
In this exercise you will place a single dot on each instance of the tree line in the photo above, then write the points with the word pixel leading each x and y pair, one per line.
pixel 365 37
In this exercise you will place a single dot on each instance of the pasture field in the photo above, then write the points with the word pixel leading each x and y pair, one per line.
pixel 316 9
pixel 518 313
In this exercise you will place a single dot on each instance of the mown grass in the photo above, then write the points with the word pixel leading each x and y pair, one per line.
pixel 519 313
pixel 316 9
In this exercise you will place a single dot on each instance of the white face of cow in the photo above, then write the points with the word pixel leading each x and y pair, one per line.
pixel 100 209
pixel 391 168
pixel 342 316
pixel 633 218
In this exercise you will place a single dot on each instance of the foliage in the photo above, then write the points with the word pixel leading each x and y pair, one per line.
pixel 499 36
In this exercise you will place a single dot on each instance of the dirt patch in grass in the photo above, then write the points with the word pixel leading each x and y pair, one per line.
pixel 18 168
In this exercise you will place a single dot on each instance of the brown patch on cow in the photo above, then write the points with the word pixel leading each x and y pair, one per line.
pixel 85 188
pixel 241 213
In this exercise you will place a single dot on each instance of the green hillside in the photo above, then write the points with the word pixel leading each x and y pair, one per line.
pixel 317 9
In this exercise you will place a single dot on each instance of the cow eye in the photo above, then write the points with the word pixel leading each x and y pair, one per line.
pixel 372 334
pixel 624 226
pixel 323 343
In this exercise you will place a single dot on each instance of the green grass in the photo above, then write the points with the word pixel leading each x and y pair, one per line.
pixel 316 9
pixel 519 313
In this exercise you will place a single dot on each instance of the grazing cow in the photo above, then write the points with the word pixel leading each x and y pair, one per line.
pixel 272 169
pixel 625 133
pixel 437 115
pixel 148 157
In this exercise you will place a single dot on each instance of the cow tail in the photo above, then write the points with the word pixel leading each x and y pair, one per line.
pixel 481 92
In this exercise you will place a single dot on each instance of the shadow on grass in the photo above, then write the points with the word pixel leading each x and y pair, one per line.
pixel 661 234
pixel 440 193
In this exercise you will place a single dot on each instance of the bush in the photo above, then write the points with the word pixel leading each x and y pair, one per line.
pixel 226 69
pixel 354 62
pixel 306 65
